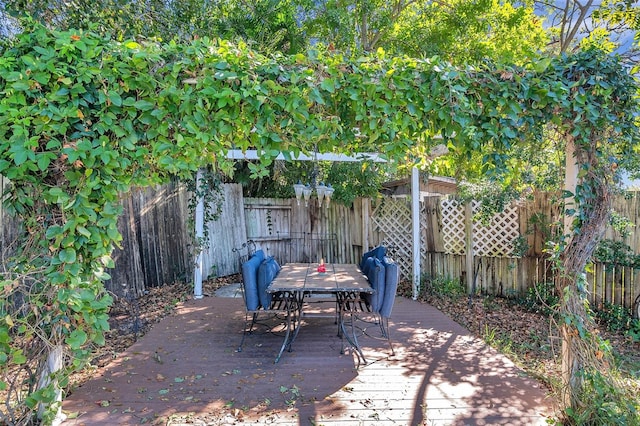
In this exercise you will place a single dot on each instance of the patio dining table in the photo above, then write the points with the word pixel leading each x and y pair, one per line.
pixel 345 281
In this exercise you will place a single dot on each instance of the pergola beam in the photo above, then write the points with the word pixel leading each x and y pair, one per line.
pixel 252 154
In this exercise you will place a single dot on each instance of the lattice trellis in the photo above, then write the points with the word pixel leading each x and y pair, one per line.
pixel 392 218
pixel 453 227
pixel 494 239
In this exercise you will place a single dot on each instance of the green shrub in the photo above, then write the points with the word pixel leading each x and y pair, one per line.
pixel 609 403
pixel 541 297
pixel 634 330
pixel 441 286
pixel 614 317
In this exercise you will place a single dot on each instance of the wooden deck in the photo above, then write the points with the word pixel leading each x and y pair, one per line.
pixel 186 370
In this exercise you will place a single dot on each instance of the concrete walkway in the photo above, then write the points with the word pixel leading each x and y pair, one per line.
pixel 186 370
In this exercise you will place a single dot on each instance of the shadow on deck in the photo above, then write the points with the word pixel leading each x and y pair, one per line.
pixel 186 371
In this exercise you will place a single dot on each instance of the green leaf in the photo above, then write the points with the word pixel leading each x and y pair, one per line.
pixel 508 132
pixel 21 156
pixel 68 255
pixel 329 85
pixel 76 339
pixel 115 98
pixel 542 64
pixel 99 339
pixel 18 357
pixel 58 195
pixel 144 105
pixel 43 162
pixel 21 85
pixel 132 45
pixel 83 231
pixel 114 234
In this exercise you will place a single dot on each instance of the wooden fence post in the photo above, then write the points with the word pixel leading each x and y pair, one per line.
pixel 199 231
pixel 415 224
pixel 468 227
pixel 366 223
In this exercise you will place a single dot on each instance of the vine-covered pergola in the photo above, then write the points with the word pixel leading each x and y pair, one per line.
pixel 83 119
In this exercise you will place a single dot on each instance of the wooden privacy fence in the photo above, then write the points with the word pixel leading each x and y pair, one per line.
pixel 157 245
pixel 295 233
pixel 156 248
pixel 497 268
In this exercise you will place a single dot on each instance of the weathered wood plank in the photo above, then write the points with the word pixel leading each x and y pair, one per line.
pixel 157 248
pixel 225 234
pixel 127 279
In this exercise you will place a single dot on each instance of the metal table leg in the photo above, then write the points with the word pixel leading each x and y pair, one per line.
pixel 294 315
pixel 347 306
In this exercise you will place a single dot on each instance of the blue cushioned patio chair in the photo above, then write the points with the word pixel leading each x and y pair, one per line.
pixel 383 275
pixel 392 276
pixel 257 273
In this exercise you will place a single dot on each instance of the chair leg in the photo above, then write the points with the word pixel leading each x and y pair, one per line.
pixel 384 323
pixel 383 327
pixel 249 329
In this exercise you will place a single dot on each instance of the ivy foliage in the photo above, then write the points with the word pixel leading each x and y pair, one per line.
pixel 349 180
pixel 269 24
pixel 83 118
pixel 616 253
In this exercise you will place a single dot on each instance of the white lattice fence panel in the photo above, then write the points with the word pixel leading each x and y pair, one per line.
pixel 423 228
pixel 392 218
pixel 494 239
pixel 453 226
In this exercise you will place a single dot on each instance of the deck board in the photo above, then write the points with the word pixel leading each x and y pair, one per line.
pixel 440 375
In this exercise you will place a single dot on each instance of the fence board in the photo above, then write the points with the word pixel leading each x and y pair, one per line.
pixel 156 246
pixel 226 233
pixel 163 217
pixel 634 290
pixel 127 279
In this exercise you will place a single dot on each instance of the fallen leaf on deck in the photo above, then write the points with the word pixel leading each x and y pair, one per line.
pixel 72 414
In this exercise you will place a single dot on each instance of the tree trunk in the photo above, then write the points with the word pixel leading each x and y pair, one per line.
pixel 579 343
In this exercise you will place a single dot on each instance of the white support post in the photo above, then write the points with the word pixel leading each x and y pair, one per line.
pixel 415 221
pixel 567 351
pixel 468 214
pixel 199 231
pixel 570 185
pixel 55 363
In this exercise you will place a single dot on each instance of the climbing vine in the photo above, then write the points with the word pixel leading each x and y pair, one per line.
pixel 83 118
pixel 207 188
